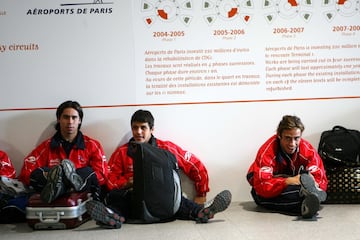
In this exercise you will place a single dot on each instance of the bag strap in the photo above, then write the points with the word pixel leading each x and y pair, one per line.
pixel 338 127
pixel 355 134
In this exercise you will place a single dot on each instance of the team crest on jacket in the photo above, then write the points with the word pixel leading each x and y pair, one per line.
pixel 4 163
pixel 187 156
pixel 313 168
pixel 31 159
pixel 266 172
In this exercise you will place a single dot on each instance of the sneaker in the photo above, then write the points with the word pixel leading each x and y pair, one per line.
pixel 308 186
pixel 104 217
pixel 221 201
pixel 107 226
pixel 12 186
pixel 54 186
pixel 310 206
pixel 69 172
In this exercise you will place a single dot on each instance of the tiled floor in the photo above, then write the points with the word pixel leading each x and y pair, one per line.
pixel 243 221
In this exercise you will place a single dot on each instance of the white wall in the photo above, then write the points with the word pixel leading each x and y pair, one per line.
pixel 97 59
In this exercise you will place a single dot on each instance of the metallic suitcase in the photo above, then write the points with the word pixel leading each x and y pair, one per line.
pixel 65 212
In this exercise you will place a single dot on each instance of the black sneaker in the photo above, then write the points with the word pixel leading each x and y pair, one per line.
pixel 54 186
pixel 221 201
pixel 108 226
pixel 308 186
pixel 69 172
pixel 310 206
pixel 104 217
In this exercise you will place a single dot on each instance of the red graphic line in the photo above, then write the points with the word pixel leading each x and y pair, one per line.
pixel 185 103
pixel 341 2
pixel 293 3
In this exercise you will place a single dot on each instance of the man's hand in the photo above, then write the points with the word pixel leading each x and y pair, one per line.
pixel 130 183
pixel 200 200
pixel 293 180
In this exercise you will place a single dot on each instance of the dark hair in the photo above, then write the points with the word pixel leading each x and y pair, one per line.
pixel 68 104
pixel 143 116
pixel 289 122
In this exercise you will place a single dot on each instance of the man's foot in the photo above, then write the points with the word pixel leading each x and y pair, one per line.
pixel 221 201
pixel 310 206
pixel 308 186
pixel 54 186
pixel 103 216
pixel 12 186
pixel 69 172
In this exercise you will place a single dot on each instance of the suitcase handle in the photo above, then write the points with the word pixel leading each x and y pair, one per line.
pixel 54 219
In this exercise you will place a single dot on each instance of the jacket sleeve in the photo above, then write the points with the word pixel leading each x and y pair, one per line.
pixel 120 169
pixel 98 162
pixel 6 167
pixel 37 158
pixel 315 165
pixel 190 165
pixel 260 174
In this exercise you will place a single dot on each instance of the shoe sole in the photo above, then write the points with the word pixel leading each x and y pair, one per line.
pixel 99 212
pixel 12 187
pixel 54 185
pixel 70 173
pixel 310 206
pixel 308 186
pixel 219 204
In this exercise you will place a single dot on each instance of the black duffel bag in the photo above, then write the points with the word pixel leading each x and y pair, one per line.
pixel 340 147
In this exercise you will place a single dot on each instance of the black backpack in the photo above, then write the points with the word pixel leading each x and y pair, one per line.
pixel 157 189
